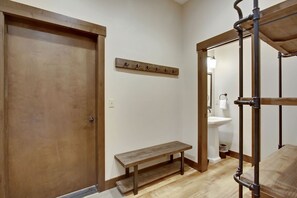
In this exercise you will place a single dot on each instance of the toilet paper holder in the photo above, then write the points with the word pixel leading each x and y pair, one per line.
pixel 223 96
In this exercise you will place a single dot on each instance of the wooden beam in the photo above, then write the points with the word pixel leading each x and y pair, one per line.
pixel 17 9
pixel 135 180
pixel 202 111
pixel 279 101
pixel 3 171
pixel 100 112
pixel 273 23
pixel 221 39
pixel 276 45
pixel 273 13
pixel 276 101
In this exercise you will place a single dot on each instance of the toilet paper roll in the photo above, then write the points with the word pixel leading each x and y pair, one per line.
pixel 223 104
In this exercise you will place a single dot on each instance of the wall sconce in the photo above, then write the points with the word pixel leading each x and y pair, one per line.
pixel 211 63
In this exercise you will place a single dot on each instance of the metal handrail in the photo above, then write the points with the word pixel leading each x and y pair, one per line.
pixel 238 8
pixel 246 184
pixel 242 20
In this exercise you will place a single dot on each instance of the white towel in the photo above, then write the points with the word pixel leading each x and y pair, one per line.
pixel 223 104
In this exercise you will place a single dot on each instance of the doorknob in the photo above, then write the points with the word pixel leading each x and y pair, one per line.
pixel 91 119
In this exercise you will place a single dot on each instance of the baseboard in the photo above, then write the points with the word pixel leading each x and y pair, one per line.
pixel 234 154
pixel 191 163
pixel 111 183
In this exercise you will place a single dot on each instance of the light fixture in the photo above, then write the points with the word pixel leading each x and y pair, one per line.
pixel 211 63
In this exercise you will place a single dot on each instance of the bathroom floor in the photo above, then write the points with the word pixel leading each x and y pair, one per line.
pixel 216 182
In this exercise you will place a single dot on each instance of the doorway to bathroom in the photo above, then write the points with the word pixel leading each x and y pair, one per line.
pixel 203 49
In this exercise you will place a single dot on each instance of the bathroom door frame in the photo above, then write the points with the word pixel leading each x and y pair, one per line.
pixel 202 48
pixel 10 9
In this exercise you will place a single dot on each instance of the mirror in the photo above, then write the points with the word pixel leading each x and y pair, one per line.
pixel 209 90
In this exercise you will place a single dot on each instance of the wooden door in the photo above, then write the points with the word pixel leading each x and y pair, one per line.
pixel 51 96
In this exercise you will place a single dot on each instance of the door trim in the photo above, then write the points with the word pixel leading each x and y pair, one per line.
pixel 3 141
pixel 201 48
pixel 28 12
pixel 100 112
pixel 52 20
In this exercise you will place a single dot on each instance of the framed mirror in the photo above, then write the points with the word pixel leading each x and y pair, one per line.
pixel 209 90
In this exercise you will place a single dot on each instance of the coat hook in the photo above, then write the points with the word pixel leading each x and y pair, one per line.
pixel 145 67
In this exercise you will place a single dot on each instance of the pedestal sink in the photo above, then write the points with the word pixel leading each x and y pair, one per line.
pixel 213 137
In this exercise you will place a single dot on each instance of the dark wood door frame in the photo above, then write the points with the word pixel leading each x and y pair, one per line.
pixel 202 47
pixel 53 20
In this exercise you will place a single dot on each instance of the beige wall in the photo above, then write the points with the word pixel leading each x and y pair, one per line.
pixel 152 109
pixel 226 80
pixel 203 19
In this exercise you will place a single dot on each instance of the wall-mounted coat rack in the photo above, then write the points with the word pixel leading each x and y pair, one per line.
pixel 146 67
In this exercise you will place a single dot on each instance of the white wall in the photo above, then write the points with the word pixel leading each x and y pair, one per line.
pixel 226 80
pixel 269 64
pixel 210 19
pixel 147 106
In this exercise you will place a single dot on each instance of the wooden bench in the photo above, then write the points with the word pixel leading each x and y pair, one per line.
pixel 134 158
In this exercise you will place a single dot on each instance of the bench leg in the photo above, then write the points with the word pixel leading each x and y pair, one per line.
pixel 135 180
pixel 127 172
pixel 182 163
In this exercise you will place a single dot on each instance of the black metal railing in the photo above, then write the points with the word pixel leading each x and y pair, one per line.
pixel 255 102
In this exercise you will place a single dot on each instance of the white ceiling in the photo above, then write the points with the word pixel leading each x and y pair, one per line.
pixel 181 1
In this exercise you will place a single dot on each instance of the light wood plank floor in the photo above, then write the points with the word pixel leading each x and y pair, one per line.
pixel 217 182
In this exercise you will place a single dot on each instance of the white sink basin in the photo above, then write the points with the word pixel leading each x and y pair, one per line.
pixel 213 137
pixel 217 121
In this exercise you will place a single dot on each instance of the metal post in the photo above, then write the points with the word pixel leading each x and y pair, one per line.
pixel 240 168
pixel 240 35
pixel 280 134
pixel 256 96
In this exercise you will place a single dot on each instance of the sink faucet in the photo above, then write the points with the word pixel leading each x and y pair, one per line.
pixel 209 110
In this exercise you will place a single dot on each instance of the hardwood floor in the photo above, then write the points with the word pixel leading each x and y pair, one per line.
pixel 216 182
